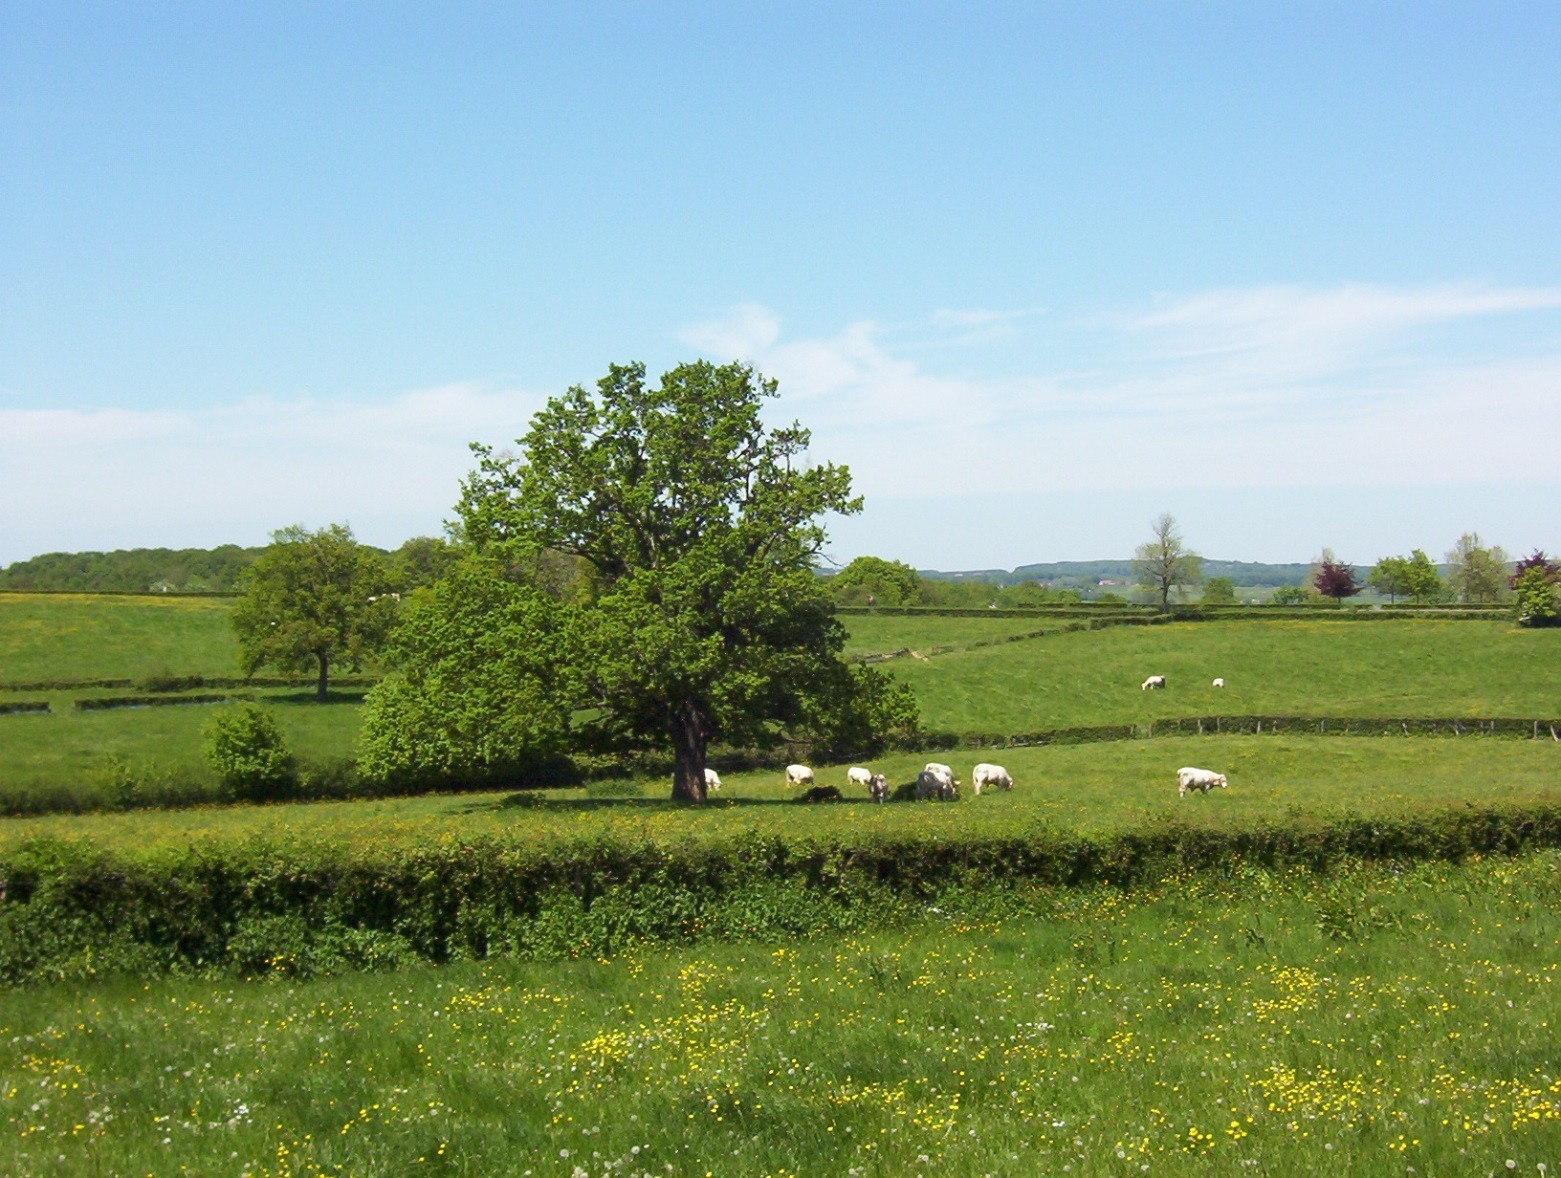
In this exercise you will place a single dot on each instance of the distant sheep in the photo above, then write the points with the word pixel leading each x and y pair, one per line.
pixel 712 780
pixel 856 775
pixel 799 775
pixel 1153 683
pixel 1202 780
pixel 995 776
pixel 1219 683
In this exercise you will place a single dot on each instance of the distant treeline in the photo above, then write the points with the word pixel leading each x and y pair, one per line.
pixel 1241 573
pixel 194 570
pixel 135 570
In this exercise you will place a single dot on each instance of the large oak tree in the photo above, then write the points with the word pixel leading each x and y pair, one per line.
pixel 701 526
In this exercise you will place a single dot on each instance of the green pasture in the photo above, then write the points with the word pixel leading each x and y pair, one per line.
pixel 66 753
pixel 58 637
pixel 1397 668
pixel 1090 788
pixel 883 634
pixel 1371 1022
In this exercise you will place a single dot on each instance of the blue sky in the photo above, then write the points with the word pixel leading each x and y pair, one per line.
pixel 1037 273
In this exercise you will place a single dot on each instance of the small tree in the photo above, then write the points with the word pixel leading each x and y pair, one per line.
pixel 1291 595
pixel 1390 575
pixel 871 580
pixel 1537 591
pixel 1334 578
pixel 1164 563
pixel 1478 575
pixel 1421 580
pixel 313 600
pixel 252 760
pixel 1219 591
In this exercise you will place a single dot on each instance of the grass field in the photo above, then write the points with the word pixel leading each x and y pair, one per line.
pixel 1398 668
pixel 1375 1022
pixel 883 634
pixel 68 753
pixel 68 636
pixel 1095 788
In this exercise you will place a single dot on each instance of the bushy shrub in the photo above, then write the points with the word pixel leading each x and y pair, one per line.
pixel 1537 597
pixel 252 760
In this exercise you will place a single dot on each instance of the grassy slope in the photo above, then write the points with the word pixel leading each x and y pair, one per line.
pixel 1369 1024
pixel 69 636
pixel 875 634
pixel 1089 787
pixel 72 747
pixel 1396 668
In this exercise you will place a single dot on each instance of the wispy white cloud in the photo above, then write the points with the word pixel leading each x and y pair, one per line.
pixel 78 479
pixel 1269 387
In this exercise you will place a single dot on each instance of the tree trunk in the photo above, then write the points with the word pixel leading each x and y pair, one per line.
pixel 689 734
pixel 319 691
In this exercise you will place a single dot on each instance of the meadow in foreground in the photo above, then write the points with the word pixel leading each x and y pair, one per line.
pixel 1375 1021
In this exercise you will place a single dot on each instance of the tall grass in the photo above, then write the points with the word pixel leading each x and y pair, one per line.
pixel 1373 1022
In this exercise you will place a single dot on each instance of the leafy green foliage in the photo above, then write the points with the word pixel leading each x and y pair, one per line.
pixel 313 600
pixel 136 570
pixel 1164 564
pixel 1390 575
pixel 1477 574
pixel 1219 591
pixel 481 692
pixel 1292 595
pixel 1537 597
pixel 701 528
pixel 1421 580
pixel 246 748
pixel 871 580
pixel 420 562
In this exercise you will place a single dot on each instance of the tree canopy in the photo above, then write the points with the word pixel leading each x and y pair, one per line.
pixel 1477 574
pixel 311 601
pixel 1164 563
pixel 1335 578
pixel 698 615
pixel 871 580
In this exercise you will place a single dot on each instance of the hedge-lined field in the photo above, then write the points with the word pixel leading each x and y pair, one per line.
pixel 886 633
pixel 324 886
pixel 1375 1021
pixel 1404 667
pixel 1095 788
pixel 71 759
pixel 69 637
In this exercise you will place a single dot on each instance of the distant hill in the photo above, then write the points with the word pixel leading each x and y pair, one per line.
pixel 134 570
pixel 1068 574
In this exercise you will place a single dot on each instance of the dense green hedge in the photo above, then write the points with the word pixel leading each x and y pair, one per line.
pixel 69 909
pixel 103 703
pixel 30 705
pixel 165 683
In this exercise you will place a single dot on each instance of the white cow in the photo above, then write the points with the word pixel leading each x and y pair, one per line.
pixel 1219 683
pixel 712 780
pixel 935 785
pixel 939 768
pixel 1202 780
pixel 1153 683
pixel 878 787
pixel 856 775
pixel 990 775
pixel 799 775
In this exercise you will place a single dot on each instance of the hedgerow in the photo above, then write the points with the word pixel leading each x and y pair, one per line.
pixel 68 908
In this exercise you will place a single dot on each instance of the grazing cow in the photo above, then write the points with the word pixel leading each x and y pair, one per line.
pixel 940 769
pixel 1153 683
pixel 856 775
pixel 878 787
pixel 799 775
pixel 935 785
pixel 990 775
pixel 712 780
pixel 1202 780
pixel 1219 683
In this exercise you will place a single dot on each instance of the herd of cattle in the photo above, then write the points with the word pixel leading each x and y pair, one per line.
pixel 937 780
